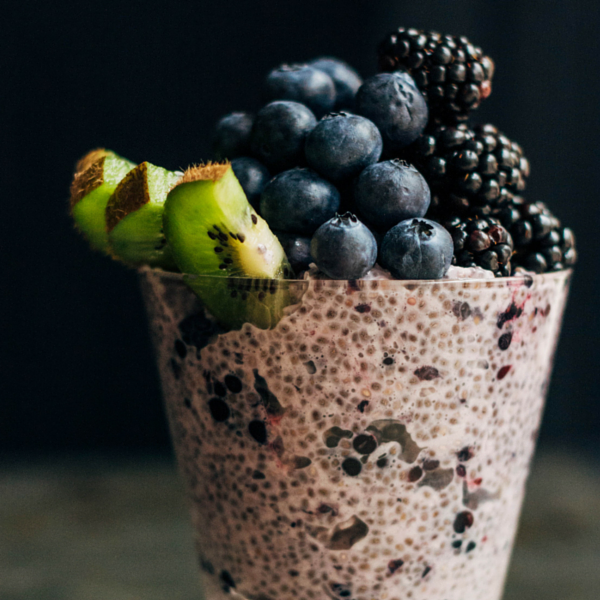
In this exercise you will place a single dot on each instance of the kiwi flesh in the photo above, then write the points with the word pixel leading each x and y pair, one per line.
pixel 229 253
pixel 96 178
pixel 134 217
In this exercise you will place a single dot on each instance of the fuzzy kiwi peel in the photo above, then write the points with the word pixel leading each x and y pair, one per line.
pixel 134 217
pixel 96 177
pixel 213 231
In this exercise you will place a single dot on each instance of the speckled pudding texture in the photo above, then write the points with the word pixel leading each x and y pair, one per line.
pixel 374 445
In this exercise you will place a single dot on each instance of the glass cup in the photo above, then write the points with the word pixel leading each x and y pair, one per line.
pixel 373 444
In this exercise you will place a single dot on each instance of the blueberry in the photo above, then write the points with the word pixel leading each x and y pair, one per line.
pixel 298 201
pixel 253 177
pixel 297 249
pixel 345 78
pixel 232 136
pixel 279 132
pixel 342 145
pixel 301 83
pixel 344 248
pixel 389 192
pixel 394 103
pixel 417 249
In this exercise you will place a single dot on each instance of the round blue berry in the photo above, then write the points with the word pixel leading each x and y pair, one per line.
pixel 232 136
pixel 344 248
pixel 298 201
pixel 342 145
pixel 417 249
pixel 345 78
pixel 389 192
pixel 253 177
pixel 279 132
pixel 297 249
pixel 301 83
pixel 394 103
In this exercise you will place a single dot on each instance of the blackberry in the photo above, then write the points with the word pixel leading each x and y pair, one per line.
pixel 471 172
pixel 542 244
pixel 481 243
pixel 452 73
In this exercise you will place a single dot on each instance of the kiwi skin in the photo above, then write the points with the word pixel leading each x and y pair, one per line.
pixel 214 231
pixel 96 178
pixel 91 157
pixel 134 217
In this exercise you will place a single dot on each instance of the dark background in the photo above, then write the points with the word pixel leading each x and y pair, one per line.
pixel 149 80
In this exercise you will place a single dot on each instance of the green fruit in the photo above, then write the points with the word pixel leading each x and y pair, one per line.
pixel 96 177
pixel 213 231
pixel 134 217
pixel 90 158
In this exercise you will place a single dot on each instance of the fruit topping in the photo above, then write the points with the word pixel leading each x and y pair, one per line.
pixel 134 217
pixel 279 132
pixel 213 230
pixel 428 188
pixel 481 243
pixel 97 175
pixel 253 177
pixel 297 249
pixel 452 73
pixel 344 248
pixel 542 244
pixel 417 249
pixel 232 136
pixel 345 78
pixel 394 103
pixel 299 201
pixel 389 192
pixel 470 171
pixel 342 145
pixel 302 83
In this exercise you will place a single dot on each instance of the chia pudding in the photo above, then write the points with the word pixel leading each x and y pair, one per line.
pixel 374 444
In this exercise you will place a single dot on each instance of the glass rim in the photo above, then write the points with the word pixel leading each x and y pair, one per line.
pixel 513 279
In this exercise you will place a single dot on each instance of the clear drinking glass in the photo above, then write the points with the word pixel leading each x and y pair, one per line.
pixel 373 444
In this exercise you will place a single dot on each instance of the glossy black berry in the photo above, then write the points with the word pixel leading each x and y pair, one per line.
pixel 481 243
pixel 471 172
pixel 453 75
pixel 541 243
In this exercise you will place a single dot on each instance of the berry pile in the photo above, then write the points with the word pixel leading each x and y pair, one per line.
pixel 347 173
pixel 310 163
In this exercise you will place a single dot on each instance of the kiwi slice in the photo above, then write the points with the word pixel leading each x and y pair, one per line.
pixel 90 158
pixel 213 231
pixel 134 217
pixel 97 175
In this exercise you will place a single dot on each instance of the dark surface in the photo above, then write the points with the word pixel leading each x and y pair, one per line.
pixel 114 529
pixel 148 79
